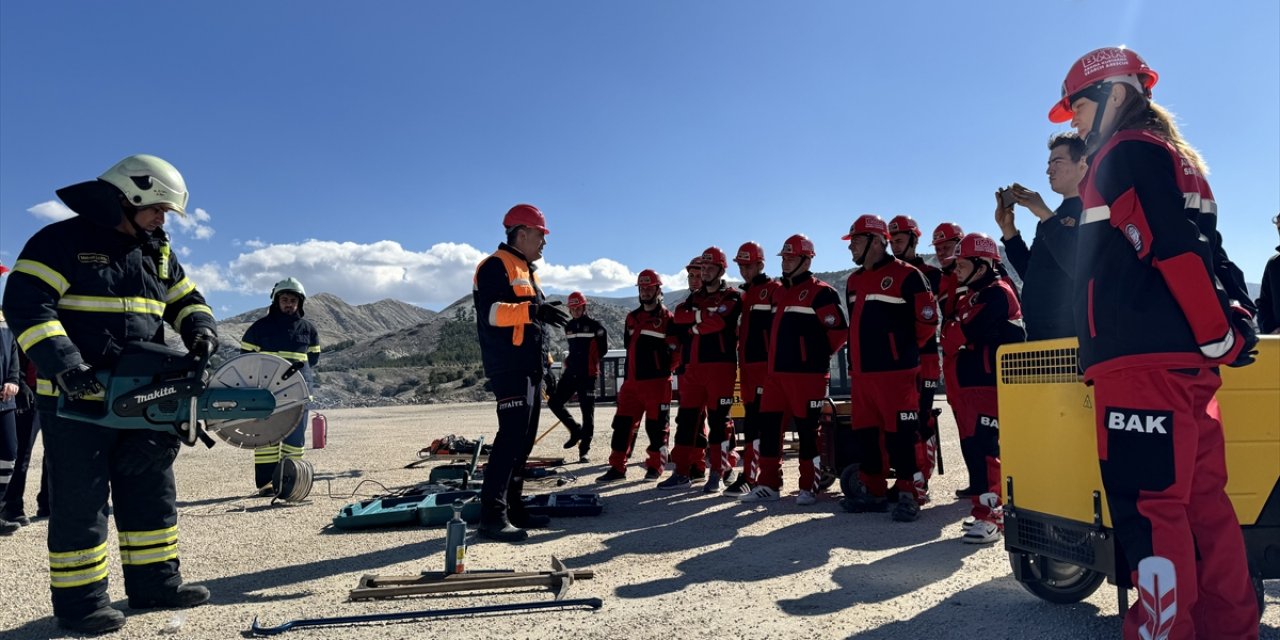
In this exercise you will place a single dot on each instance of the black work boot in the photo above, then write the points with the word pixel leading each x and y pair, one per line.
pixel 184 597
pixel 502 530
pixel 104 620
pixel 575 434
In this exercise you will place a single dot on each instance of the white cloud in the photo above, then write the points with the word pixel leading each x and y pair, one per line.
pixel 184 251
pixel 209 277
pixel 193 224
pixel 600 275
pixel 51 211
pixel 252 244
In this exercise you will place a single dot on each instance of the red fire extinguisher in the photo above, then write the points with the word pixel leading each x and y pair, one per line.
pixel 319 430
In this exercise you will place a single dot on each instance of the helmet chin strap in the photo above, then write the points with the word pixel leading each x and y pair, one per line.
pixel 862 259
pixel 1095 131
pixel 800 268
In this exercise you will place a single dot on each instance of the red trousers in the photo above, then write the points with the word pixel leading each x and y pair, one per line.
pixel 1162 455
pixel 979 425
pixel 799 397
pixel 884 414
pixel 648 399
pixel 709 387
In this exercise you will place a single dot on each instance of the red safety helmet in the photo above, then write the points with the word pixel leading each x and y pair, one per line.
pixel 797 245
pixel 978 245
pixel 695 264
pixel 576 299
pixel 749 253
pixel 3 269
pixel 947 231
pixel 526 215
pixel 904 224
pixel 1100 65
pixel 868 225
pixel 715 256
pixel 648 278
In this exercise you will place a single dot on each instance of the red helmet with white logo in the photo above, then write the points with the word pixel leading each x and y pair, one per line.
pixel 526 215
pixel 576 299
pixel 868 225
pixel 695 265
pixel 648 278
pixel 713 255
pixel 904 224
pixel 978 245
pixel 749 253
pixel 797 245
pixel 1115 64
pixel 947 231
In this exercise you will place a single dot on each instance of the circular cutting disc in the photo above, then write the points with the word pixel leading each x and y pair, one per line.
pixel 261 371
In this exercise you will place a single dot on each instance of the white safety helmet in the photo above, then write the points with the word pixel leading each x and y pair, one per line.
pixel 147 180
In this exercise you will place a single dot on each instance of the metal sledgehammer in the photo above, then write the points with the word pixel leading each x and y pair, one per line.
pixel 594 603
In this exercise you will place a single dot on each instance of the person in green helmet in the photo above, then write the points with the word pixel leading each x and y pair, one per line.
pixel 286 333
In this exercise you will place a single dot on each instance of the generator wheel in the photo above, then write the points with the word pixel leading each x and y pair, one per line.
pixel 1063 583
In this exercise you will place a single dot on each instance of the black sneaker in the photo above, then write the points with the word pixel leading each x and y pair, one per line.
pixel 969 492
pixel 19 518
pixel 698 474
pixel 8 528
pixel 575 434
pixel 907 509
pixel 583 459
pixel 612 475
pixel 185 596
pixel 104 620
pixel 502 531
pixel 676 481
pixel 739 488
pixel 712 485
pixel 652 473
pixel 864 503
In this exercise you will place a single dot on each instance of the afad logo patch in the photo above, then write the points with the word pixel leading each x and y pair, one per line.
pixel 1148 422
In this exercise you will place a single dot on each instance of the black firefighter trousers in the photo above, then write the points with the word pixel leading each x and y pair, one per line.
pixel 519 403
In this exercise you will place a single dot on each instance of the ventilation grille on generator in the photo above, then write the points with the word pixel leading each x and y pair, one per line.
pixel 1047 366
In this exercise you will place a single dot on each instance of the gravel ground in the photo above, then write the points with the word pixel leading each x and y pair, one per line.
pixel 667 564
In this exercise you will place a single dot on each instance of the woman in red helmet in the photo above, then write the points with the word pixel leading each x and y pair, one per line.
pixel 1154 326
pixel 987 317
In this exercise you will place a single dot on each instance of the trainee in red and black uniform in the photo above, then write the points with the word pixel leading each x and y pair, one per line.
pixel 904 234
pixel 758 293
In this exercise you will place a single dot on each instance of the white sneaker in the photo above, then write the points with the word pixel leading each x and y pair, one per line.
pixel 967 522
pixel 981 532
pixel 760 494
pixel 805 498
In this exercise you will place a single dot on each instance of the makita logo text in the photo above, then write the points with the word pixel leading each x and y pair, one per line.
pixel 1142 422
pixel 155 395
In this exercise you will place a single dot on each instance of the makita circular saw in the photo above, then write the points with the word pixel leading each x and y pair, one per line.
pixel 249 401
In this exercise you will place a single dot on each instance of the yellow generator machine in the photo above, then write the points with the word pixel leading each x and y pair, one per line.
pixel 1057 525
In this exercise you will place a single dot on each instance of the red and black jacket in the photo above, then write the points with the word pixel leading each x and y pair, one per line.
pixel 650 347
pixel 588 342
pixel 757 319
pixel 892 314
pixel 933 276
pixel 990 315
pixel 711 321
pixel 808 326
pixel 1145 291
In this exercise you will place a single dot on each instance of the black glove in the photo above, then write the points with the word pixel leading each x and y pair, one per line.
pixel 552 313
pixel 549 381
pixel 1247 332
pixel 79 381
pixel 202 343
pixel 144 450
pixel 25 399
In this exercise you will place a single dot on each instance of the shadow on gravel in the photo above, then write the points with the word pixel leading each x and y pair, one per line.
pixel 1006 612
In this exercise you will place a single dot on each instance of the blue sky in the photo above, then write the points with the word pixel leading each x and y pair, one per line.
pixel 370 149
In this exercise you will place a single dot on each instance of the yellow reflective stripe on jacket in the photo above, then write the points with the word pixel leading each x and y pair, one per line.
pixel 313 349
pixel 108 304
pixel 48 388
pixel 290 451
pixel 42 331
pixel 143 538
pixel 44 272
pixel 269 454
pixel 188 310
pixel 77 568
pixel 182 288
pixel 249 346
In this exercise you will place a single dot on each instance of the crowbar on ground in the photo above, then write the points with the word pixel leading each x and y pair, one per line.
pixel 258 630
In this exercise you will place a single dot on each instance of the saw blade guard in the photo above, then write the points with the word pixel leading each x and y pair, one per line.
pixel 253 371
